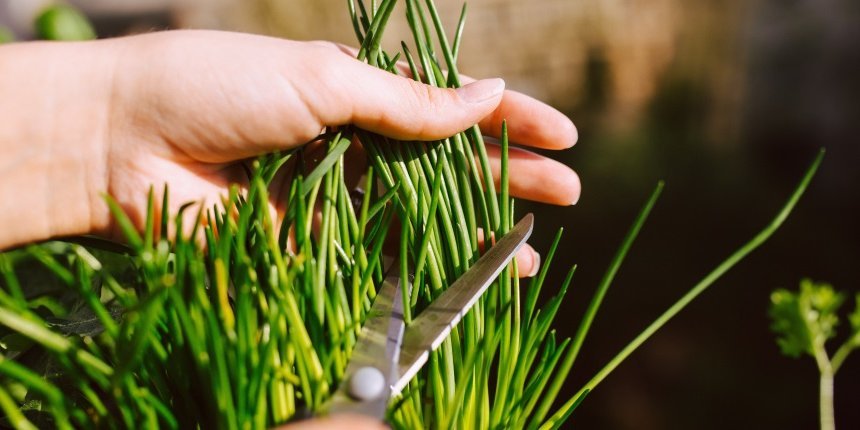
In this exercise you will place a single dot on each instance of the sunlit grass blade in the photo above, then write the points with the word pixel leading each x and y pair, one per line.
pixel 458 35
pixel 594 305
pixel 341 144
pixel 124 223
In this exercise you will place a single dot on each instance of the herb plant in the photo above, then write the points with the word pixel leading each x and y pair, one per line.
pixel 804 321
pixel 63 22
pixel 56 22
pixel 244 321
pixel 6 35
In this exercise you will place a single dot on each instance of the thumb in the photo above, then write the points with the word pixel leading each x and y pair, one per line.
pixel 352 92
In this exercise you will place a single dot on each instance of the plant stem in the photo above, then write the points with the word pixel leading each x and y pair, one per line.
pixel 698 289
pixel 825 386
pixel 825 399
pixel 591 311
pixel 843 351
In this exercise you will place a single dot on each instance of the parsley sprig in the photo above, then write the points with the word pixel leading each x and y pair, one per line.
pixel 804 322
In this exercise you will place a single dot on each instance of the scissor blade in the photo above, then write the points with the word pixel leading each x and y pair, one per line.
pixel 378 347
pixel 428 330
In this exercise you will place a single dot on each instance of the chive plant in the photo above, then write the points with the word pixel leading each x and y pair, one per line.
pixel 256 324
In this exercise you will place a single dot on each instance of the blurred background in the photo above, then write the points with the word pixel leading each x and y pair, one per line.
pixel 728 101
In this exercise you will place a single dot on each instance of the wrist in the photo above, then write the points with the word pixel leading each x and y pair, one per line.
pixel 53 133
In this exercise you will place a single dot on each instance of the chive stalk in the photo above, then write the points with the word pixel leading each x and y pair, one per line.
pixel 258 326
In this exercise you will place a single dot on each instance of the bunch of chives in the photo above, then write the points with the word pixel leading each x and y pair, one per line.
pixel 488 373
pixel 258 324
pixel 241 333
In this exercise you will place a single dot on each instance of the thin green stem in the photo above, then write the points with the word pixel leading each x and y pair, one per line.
pixel 825 400
pixel 699 288
pixel 843 352
pixel 596 301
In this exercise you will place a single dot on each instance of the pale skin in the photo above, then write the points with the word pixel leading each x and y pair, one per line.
pixel 186 108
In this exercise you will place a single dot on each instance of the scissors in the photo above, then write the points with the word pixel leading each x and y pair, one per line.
pixel 388 354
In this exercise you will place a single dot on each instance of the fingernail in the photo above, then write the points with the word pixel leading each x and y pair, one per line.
pixel 535 264
pixel 575 199
pixel 481 91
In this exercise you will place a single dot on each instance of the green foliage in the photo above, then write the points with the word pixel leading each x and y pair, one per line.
pixel 804 321
pixel 6 35
pixel 238 321
pixel 174 336
pixel 63 22
pixel 854 317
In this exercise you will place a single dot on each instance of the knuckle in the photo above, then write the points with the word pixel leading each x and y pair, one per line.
pixel 431 98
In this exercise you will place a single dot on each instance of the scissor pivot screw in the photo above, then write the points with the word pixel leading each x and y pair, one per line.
pixel 366 383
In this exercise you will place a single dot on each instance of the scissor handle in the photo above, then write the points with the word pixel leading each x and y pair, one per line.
pixel 372 369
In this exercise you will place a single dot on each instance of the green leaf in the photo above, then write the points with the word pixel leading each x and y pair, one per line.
pixel 62 22
pixel 793 337
pixel 125 224
pixel 14 342
pixel 338 148
pixel 6 35
pixel 820 304
pixel 854 317
pixel 804 321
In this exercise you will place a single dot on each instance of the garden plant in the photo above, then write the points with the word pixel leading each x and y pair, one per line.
pixel 225 317
pixel 804 322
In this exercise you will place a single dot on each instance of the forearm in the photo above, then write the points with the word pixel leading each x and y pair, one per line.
pixel 54 100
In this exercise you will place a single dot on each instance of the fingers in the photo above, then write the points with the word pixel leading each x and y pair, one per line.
pixel 530 121
pixel 535 177
pixel 351 92
pixel 217 97
pixel 241 95
pixel 528 260
pixel 338 422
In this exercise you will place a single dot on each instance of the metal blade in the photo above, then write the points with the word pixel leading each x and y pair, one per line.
pixel 428 330
pixel 378 349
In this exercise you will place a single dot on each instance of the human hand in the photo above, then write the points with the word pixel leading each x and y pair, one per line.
pixel 186 108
